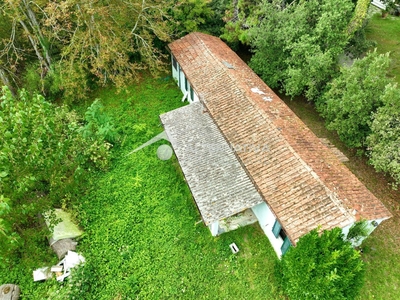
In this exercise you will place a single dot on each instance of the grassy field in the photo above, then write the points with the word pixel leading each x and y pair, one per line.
pixel 382 248
pixel 386 32
pixel 143 238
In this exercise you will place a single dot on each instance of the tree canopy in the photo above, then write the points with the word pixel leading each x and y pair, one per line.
pixel 384 140
pixel 353 96
pixel 74 45
pixel 296 46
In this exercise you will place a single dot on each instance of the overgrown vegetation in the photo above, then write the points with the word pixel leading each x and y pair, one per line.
pixel 384 140
pixel 71 48
pixel 44 159
pixel 386 34
pixel 354 96
pixel 297 46
pixel 361 105
pixel 142 236
pixel 139 217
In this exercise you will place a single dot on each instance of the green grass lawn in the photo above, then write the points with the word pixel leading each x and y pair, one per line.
pixel 143 238
pixel 382 249
pixel 386 32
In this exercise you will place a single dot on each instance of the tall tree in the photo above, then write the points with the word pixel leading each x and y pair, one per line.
pixel 383 143
pixel 23 13
pixel 107 40
pixel 190 15
pixel 80 43
pixel 296 46
pixel 239 17
pixel 353 96
pixel 10 51
pixel 359 16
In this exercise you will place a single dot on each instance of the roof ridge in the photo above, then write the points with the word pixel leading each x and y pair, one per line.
pixel 331 194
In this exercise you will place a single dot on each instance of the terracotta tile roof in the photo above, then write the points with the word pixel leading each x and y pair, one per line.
pixel 303 182
pixel 203 153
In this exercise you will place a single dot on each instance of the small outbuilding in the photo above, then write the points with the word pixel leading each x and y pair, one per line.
pixel 240 147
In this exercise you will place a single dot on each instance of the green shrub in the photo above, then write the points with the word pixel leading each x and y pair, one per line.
pixel 296 47
pixel 98 125
pixel 322 266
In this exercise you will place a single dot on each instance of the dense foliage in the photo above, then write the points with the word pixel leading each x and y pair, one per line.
pixel 358 232
pixel 322 266
pixel 43 158
pixel 239 17
pixel 297 46
pixel 391 5
pixel 190 15
pixel 353 96
pixel 215 22
pixel 384 141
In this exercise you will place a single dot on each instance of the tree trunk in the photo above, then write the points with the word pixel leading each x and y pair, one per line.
pixel 28 12
pixel 359 16
pixel 34 45
pixel 6 82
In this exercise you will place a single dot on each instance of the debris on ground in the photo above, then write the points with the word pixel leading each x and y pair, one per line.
pixel 234 248
pixel 61 247
pixel 64 233
pixel 66 229
pixel 62 243
pixel 71 260
pixel 62 270
pixel 42 274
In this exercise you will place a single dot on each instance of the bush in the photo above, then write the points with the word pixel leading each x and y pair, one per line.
pixel 358 232
pixel 322 266
pixel 98 125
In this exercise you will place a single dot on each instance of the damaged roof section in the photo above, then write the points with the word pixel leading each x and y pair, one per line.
pixel 218 182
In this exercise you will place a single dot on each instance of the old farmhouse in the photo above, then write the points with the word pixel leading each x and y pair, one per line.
pixel 240 147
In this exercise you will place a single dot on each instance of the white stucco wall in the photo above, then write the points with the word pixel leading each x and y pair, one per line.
pixel 181 81
pixel 267 220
